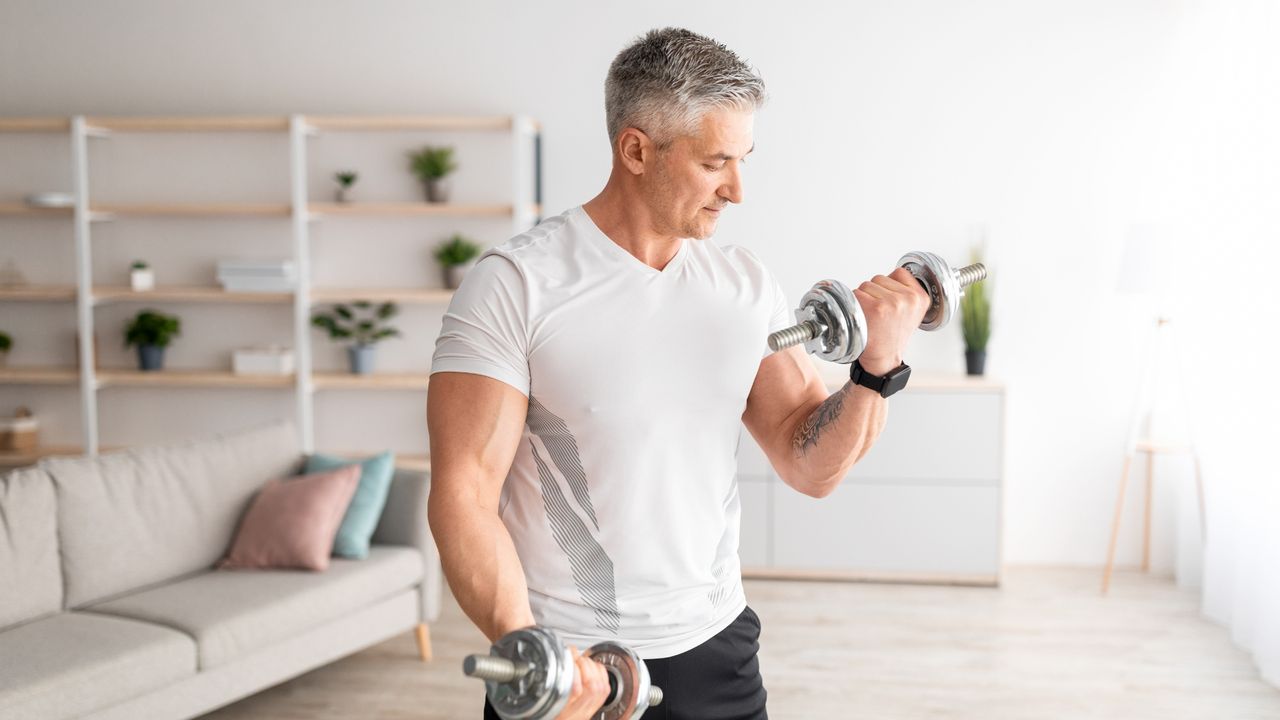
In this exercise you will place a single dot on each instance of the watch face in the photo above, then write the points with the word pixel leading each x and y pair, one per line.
pixel 896 380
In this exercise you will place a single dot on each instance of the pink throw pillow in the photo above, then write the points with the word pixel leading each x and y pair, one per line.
pixel 292 521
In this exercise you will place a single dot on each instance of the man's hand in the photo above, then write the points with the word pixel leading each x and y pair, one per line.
pixel 894 307
pixel 590 688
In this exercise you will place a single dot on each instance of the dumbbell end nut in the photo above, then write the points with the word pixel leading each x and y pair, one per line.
pixel 655 695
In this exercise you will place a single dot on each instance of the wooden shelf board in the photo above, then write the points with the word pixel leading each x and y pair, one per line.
pixel 38 293
pixel 35 124
pixel 21 208
pixel 191 210
pixel 408 122
pixel 373 381
pixel 31 375
pixel 21 458
pixel 398 295
pixel 185 293
pixel 190 378
pixel 410 208
pixel 269 123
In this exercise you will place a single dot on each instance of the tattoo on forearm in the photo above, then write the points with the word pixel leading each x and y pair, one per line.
pixel 828 412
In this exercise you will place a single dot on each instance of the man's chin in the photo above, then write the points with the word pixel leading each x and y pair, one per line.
pixel 702 230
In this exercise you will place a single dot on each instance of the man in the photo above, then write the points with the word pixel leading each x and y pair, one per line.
pixel 590 383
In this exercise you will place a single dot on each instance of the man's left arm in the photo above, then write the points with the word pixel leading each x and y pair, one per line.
pixel 811 437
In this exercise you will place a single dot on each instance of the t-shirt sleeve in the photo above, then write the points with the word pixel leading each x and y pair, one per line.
pixel 781 316
pixel 484 331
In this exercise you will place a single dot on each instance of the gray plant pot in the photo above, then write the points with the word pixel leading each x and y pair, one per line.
pixel 150 357
pixel 361 357
pixel 437 190
pixel 453 275
pixel 975 361
pixel 342 194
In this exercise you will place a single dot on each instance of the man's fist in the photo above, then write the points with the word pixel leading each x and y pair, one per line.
pixel 894 306
pixel 590 688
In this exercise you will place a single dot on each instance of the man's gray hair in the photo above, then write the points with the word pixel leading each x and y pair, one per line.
pixel 664 81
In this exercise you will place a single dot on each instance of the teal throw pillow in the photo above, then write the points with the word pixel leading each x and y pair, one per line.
pixel 366 505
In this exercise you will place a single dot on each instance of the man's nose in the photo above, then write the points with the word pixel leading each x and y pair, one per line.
pixel 732 189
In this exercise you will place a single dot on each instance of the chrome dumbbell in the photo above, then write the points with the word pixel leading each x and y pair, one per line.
pixel 830 322
pixel 528 675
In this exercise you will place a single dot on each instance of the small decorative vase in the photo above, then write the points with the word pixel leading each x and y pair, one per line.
pixel 342 194
pixel 975 361
pixel 150 357
pixel 142 280
pixel 453 274
pixel 361 357
pixel 437 190
pixel 4 358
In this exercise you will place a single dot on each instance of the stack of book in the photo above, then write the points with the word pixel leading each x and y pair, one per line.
pixel 257 275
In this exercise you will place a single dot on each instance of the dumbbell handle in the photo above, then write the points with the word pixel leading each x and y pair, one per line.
pixel 808 330
pixel 500 669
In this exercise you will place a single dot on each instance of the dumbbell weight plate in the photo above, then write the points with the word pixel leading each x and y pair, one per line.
pixel 631 678
pixel 543 692
pixel 934 272
pixel 834 306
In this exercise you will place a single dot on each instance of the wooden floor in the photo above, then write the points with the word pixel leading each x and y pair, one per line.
pixel 1044 646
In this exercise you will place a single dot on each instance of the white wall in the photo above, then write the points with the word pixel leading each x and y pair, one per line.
pixel 1049 128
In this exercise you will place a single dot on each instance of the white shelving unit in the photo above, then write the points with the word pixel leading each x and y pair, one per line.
pixel 523 210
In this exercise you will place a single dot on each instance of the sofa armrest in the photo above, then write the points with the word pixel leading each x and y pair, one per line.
pixel 404 522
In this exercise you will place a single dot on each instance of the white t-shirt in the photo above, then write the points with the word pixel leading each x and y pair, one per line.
pixel 622 498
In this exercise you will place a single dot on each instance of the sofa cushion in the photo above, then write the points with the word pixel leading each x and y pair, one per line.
pixel 66 665
pixel 292 521
pixel 366 507
pixel 143 516
pixel 233 612
pixel 30 571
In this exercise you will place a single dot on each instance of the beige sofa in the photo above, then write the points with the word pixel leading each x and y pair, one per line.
pixel 109 607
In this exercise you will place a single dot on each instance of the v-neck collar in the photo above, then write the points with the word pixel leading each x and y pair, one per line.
pixel 627 258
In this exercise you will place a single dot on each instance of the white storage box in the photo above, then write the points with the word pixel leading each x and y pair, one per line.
pixel 262 361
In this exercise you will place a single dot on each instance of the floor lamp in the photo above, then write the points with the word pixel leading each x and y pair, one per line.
pixel 1143 273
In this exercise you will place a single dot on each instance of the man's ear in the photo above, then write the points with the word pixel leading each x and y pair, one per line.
pixel 635 149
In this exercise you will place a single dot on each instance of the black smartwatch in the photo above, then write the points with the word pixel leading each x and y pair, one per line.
pixel 892 382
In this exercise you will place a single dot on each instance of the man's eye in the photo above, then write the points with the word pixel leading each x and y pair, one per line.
pixel 712 168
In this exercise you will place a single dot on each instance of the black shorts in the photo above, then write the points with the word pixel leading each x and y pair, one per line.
pixel 718 680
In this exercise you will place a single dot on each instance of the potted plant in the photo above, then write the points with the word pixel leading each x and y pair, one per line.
pixel 975 322
pixel 456 255
pixel 366 327
pixel 6 343
pixel 345 178
pixel 151 331
pixel 141 278
pixel 432 165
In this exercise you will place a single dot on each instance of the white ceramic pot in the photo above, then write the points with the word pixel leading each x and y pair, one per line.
pixel 142 280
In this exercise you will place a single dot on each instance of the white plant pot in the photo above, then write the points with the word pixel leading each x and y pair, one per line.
pixel 142 280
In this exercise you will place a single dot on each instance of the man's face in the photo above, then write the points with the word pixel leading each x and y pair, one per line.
pixel 696 176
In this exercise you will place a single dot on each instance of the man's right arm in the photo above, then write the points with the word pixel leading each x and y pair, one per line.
pixel 475 424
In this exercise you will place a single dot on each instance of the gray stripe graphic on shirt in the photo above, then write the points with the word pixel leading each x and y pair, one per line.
pixel 591 566
pixel 559 442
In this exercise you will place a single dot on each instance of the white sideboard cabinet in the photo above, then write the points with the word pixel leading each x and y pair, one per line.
pixel 924 504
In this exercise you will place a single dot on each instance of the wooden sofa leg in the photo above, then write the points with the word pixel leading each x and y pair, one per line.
pixel 424 641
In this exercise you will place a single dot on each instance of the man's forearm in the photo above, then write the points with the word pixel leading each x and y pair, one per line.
pixel 482 567
pixel 835 435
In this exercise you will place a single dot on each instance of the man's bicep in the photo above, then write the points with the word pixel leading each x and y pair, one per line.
pixel 787 387
pixel 475 423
